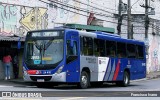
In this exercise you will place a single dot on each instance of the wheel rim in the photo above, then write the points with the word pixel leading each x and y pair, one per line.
pixel 84 80
pixel 126 79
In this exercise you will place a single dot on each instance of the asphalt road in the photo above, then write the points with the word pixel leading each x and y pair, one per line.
pixel 142 88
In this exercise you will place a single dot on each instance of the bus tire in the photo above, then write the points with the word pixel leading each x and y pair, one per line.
pixel 84 80
pixel 126 80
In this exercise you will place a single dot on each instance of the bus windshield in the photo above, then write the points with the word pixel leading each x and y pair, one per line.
pixel 46 50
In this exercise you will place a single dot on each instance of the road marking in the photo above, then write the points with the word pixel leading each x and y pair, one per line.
pixel 19 99
pixel 74 98
pixel 5 86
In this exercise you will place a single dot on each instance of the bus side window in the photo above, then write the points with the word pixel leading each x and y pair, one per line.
pixel 140 52
pixel 71 51
pixel 96 50
pixel 131 51
pixel 110 48
pixel 99 47
pixel 121 50
pixel 87 46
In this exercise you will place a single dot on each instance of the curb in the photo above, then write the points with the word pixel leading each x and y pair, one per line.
pixel 153 77
pixel 139 80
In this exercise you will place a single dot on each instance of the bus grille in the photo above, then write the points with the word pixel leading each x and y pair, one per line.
pixel 46 78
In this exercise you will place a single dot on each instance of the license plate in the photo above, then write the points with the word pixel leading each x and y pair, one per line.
pixel 40 80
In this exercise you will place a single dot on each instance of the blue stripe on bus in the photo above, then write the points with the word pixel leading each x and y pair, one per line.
pixel 106 69
pixel 112 72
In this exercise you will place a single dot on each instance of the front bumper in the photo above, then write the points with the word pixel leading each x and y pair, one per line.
pixel 61 77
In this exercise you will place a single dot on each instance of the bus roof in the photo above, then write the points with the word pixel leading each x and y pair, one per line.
pixel 96 34
pixel 109 36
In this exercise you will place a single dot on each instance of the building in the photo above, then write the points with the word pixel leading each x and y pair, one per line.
pixel 19 16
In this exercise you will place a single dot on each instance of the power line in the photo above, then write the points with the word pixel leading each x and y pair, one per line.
pixel 101 5
pixel 81 9
pixel 93 6
pixel 80 13
pixel 76 13
pixel 84 10
pixel 15 5
pixel 88 16
pixel 134 3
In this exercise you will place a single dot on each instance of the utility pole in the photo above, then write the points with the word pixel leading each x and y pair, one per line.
pixel 146 24
pixel 132 32
pixel 129 20
pixel 146 20
pixel 119 17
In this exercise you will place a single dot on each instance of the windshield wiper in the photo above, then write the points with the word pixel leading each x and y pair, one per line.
pixel 48 44
pixel 36 44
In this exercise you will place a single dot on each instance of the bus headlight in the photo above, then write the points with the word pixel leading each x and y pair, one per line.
pixel 59 69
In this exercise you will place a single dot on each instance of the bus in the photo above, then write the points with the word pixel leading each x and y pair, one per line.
pixel 63 55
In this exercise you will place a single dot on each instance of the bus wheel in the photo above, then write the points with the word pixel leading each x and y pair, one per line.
pixel 84 80
pixel 126 80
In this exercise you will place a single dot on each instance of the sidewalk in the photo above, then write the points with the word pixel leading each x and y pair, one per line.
pixel 153 75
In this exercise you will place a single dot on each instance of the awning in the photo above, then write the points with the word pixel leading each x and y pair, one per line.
pixel 10 38
pixel 91 28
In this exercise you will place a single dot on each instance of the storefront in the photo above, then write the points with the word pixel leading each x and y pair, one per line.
pixel 9 45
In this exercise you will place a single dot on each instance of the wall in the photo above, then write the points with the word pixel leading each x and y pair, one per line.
pixel 19 16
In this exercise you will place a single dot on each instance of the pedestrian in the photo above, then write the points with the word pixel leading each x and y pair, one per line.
pixel 15 66
pixel 7 64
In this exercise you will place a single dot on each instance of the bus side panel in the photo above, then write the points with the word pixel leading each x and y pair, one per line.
pixel 123 65
pixel 136 69
pixel 139 69
pixel 114 71
pixel 90 63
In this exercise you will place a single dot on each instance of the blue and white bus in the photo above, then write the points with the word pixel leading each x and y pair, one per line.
pixel 84 58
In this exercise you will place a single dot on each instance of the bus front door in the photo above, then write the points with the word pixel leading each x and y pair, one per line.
pixel 72 57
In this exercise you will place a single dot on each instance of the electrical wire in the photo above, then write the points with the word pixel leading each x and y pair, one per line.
pixel 80 9
pixel 83 10
pixel 155 27
pixel 101 19
pixel 93 6
pixel 87 11
pixel 108 21
pixel 80 13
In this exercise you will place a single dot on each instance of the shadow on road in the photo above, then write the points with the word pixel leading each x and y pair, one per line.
pixel 59 87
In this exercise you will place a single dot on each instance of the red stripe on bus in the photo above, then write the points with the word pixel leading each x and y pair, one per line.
pixel 117 70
